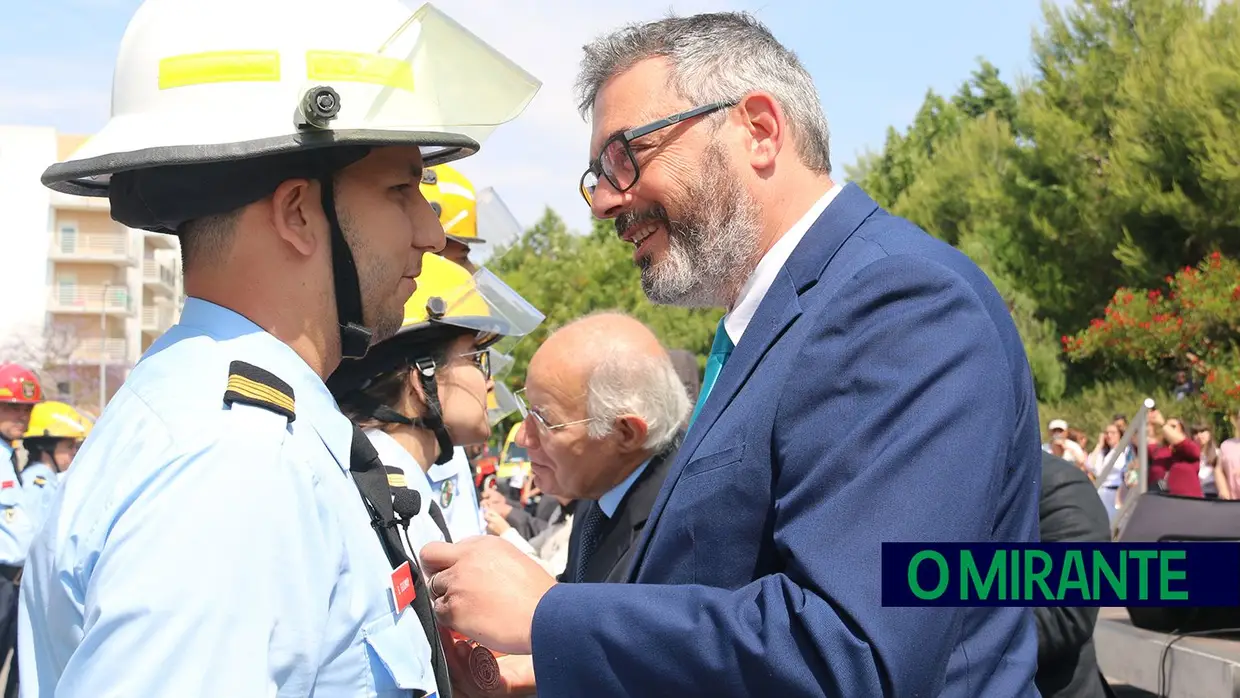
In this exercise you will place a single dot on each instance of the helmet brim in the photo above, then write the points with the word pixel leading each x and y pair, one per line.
pixel 89 174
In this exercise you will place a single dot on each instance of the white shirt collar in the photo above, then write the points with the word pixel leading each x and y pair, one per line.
pixel 768 267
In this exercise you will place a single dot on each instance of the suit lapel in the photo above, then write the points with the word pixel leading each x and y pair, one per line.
pixel 778 309
pixel 631 517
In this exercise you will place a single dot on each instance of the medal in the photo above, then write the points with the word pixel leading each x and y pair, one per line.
pixel 484 668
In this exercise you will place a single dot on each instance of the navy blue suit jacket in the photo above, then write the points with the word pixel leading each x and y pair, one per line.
pixel 880 393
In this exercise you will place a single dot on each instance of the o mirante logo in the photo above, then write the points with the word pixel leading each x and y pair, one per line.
pixel 1061 574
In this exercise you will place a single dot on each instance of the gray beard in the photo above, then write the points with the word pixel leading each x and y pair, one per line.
pixel 713 248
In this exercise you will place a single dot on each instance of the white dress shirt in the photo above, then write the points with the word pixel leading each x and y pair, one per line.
pixel 768 267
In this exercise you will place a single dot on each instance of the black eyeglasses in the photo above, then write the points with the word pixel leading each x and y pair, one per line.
pixel 481 359
pixel 615 160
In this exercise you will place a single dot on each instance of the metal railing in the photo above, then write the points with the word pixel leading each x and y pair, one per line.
pixel 94 349
pixel 90 245
pixel 89 298
pixel 158 317
pixel 154 272
pixel 1136 430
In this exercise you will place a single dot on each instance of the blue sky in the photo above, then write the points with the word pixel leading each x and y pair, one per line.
pixel 871 61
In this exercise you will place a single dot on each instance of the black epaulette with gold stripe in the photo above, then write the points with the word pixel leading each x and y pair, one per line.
pixel 250 385
pixel 396 476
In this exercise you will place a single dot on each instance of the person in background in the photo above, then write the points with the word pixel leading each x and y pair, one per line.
pixel 20 394
pixel 1111 492
pixel 690 373
pixel 1076 447
pixel 419 393
pixel 1069 511
pixel 455 202
pixel 1228 469
pixel 51 441
pixel 1212 486
pixel 1175 459
pixel 56 432
pixel 550 545
pixel 1055 433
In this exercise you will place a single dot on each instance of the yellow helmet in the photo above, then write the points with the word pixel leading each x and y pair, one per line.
pixel 453 198
pixel 447 296
pixel 56 420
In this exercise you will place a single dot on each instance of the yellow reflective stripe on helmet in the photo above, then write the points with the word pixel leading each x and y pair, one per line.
pixel 454 189
pixel 219 66
pixel 258 391
pixel 459 217
pixel 359 67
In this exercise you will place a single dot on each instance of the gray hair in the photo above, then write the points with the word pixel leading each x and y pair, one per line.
pixel 641 384
pixel 715 58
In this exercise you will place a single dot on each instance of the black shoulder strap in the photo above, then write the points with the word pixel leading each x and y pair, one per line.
pixel 372 482
pixel 250 385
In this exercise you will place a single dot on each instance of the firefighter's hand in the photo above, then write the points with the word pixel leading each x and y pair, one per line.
pixel 486 589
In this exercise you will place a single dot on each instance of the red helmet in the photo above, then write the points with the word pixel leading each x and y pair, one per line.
pixel 19 385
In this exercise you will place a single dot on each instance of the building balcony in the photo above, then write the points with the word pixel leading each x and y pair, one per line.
pixel 161 241
pixel 106 248
pixel 156 319
pixel 76 298
pixel 70 202
pixel 112 350
pixel 161 277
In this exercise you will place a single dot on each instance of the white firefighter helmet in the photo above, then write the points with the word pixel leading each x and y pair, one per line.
pixel 225 80
pixel 216 102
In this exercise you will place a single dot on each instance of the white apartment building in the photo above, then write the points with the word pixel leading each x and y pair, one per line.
pixel 80 292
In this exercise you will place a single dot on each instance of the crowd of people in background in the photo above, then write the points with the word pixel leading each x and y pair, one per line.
pixel 1184 459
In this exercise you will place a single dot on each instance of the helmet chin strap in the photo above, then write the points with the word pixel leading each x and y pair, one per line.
pixel 433 421
pixel 354 336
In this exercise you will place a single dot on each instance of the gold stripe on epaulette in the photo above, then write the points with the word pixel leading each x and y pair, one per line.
pixel 258 391
pixel 397 480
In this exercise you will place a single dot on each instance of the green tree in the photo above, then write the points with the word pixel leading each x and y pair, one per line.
pixel 1116 165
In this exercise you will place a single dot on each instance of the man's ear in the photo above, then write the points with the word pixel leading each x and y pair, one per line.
pixel 767 127
pixel 631 432
pixel 297 214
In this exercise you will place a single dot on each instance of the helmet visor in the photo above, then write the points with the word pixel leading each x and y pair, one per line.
pixel 430 75
pixel 490 307
pixel 501 403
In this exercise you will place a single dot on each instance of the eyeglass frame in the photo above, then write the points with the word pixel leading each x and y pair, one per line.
pixel 482 360
pixel 542 421
pixel 595 166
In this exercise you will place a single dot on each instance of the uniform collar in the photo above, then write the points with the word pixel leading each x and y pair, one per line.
pixel 443 471
pixel 250 343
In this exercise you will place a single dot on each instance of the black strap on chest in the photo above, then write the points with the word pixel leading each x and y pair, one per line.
pixel 372 482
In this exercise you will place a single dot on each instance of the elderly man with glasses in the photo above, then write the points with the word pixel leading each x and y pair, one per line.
pixel 866 385
pixel 604 416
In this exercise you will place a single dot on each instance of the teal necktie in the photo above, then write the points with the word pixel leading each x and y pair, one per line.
pixel 720 350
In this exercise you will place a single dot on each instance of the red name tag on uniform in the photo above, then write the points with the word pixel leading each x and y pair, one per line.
pixel 402 586
pixel 7 484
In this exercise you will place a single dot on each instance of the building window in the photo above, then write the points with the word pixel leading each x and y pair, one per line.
pixel 68 237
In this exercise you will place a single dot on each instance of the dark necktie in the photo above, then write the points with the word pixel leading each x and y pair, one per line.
pixel 371 479
pixel 591 527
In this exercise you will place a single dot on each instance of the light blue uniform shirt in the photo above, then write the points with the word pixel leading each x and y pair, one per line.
pixel 422 529
pixel 202 550
pixel 39 485
pixel 611 500
pixel 454 490
pixel 17 528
